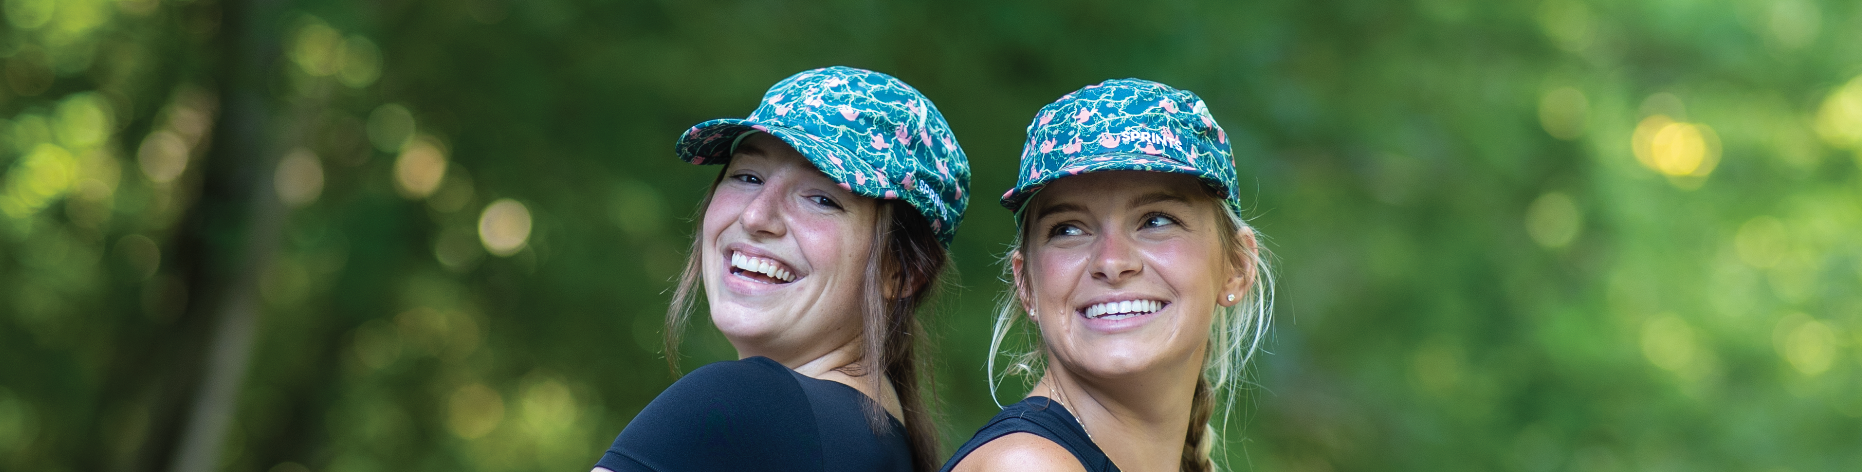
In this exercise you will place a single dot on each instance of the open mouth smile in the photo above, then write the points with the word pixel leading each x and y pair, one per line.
pixel 761 269
pixel 1122 309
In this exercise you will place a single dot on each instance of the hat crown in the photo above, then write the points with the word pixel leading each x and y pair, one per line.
pixel 1125 124
pixel 869 131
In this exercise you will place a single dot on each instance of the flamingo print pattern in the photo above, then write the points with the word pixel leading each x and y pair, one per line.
pixel 869 131
pixel 1125 124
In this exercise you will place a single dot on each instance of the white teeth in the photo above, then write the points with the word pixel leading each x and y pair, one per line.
pixel 759 265
pixel 1123 309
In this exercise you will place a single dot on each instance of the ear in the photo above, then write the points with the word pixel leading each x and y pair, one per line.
pixel 895 285
pixel 1241 268
pixel 1016 267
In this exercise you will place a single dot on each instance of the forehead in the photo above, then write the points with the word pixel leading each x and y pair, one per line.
pixel 763 147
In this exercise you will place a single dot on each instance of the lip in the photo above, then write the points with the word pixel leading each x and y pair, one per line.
pixel 747 286
pixel 1110 326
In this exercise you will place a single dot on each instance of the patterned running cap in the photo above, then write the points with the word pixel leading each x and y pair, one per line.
pixel 869 131
pixel 1125 124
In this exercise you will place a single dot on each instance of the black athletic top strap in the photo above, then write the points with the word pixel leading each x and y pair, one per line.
pixel 1041 417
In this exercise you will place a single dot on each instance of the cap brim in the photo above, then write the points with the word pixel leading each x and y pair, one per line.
pixel 1017 198
pixel 712 142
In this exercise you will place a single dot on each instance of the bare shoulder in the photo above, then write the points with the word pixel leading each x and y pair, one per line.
pixel 1019 452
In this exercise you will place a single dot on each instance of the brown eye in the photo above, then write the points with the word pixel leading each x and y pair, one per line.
pixel 747 178
pixel 823 200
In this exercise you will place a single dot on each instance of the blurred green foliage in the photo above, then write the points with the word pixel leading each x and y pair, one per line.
pixel 1533 236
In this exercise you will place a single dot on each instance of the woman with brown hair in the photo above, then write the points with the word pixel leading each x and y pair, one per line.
pixel 824 234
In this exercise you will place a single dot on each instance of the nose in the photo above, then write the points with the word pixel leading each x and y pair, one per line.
pixel 1115 260
pixel 762 216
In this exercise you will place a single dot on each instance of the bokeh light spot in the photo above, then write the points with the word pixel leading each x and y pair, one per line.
pixel 423 330
pixel 30 14
pixel 420 169
pixel 18 422
pixel 38 179
pixel 1437 368
pixel 1642 141
pixel 27 132
pixel 84 120
pixel 1760 242
pixel 549 407
pixel 1567 23
pixel 1839 120
pixel 1807 343
pixel 474 410
pixel 1665 104
pixel 1563 113
pixel 1668 342
pixel 317 48
pixel 77 18
pixel 1680 149
pixel 1553 220
pixel 1676 149
pixel 361 62
pixel 163 156
pixel 299 178
pixel 504 227
pixel 458 249
pixel 377 344
pixel 1793 23
pixel 390 127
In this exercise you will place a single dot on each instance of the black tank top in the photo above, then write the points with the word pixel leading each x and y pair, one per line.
pixel 755 414
pixel 1041 417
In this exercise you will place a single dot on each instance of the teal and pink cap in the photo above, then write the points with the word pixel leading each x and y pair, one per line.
pixel 1125 124
pixel 869 131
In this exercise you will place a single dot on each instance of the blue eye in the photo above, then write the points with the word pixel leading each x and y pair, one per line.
pixel 1158 220
pixel 1065 229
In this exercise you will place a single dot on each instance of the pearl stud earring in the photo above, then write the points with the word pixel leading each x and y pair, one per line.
pixel 1231 297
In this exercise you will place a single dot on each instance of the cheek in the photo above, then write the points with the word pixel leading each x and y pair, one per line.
pixel 827 245
pixel 1190 267
pixel 719 214
pixel 724 208
pixel 1054 273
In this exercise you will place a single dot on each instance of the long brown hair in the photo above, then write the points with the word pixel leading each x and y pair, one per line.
pixel 903 272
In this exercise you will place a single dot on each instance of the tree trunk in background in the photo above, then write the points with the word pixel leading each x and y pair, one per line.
pixel 233 232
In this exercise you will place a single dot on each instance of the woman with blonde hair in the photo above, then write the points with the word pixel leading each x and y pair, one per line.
pixel 1147 289
pixel 825 232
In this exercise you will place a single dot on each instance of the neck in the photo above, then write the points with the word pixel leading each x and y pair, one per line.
pixel 1139 421
pixel 847 365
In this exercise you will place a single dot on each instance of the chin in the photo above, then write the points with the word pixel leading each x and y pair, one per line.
pixel 1118 361
pixel 742 325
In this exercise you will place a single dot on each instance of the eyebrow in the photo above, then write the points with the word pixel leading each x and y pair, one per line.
pixel 1158 197
pixel 1045 211
pixel 1140 200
